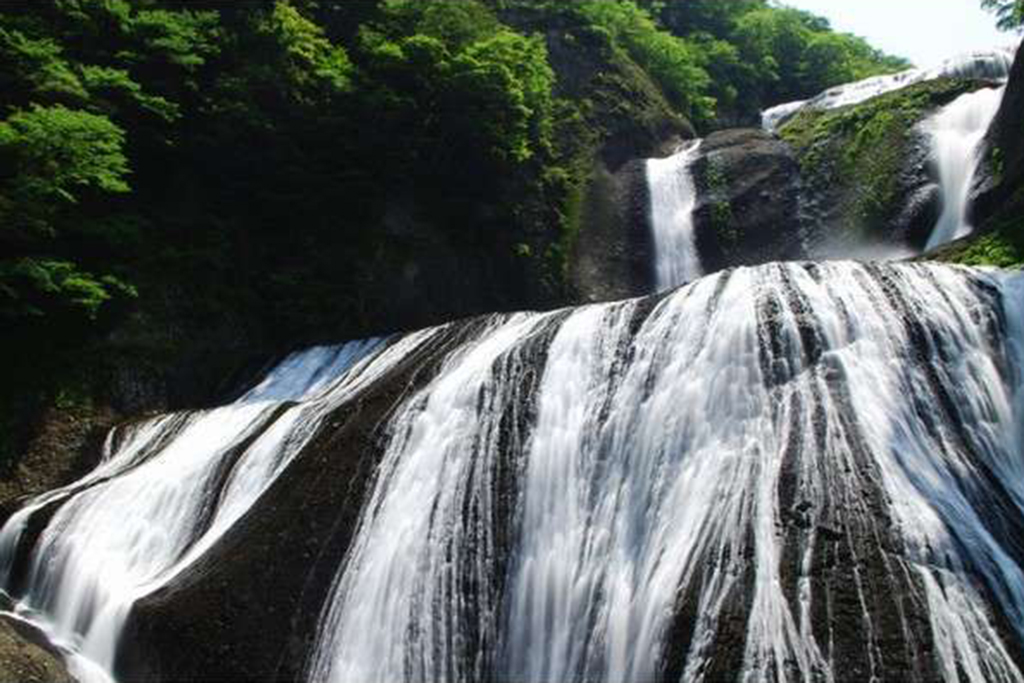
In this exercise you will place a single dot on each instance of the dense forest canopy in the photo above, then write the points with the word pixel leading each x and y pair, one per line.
pixel 206 157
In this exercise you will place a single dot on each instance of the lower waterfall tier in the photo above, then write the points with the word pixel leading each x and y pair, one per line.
pixel 791 472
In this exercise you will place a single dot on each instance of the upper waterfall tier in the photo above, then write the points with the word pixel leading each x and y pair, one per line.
pixel 994 65
pixel 673 198
pixel 956 133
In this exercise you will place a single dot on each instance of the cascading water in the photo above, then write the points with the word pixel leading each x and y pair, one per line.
pixel 994 65
pixel 166 491
pixel 793 472
pixel 956 133
pixel 673 197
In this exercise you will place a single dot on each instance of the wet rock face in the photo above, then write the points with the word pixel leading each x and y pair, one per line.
pixel 68 445
pixel 834 225
pixel 249 610
pixel 1000 177
pixel 922 203
pixel 806 559
pixel 23 659
pixel 748 186
pixel 613 254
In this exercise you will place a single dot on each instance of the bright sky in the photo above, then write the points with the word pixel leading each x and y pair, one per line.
pixel 923 31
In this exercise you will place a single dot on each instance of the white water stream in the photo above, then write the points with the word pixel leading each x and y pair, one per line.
pixel 673 197
pixel 994 65
pixel 956 132
pixel 618 492
pixel 655 470
pixel 167 489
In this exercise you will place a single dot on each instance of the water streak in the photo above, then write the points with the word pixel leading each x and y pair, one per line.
pixel 414 602
pixel 673 198
pixel 702 483
pixel 956 133
pixel 792 472
pixel 167 489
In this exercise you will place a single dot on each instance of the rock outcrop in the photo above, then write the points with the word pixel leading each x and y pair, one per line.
pixel 23 659
pixel 999 185
pixel 747 209
pixel 869 182
pixel 613 255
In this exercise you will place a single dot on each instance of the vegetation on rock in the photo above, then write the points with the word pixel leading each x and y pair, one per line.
pixel 1002 247
pixel 861 151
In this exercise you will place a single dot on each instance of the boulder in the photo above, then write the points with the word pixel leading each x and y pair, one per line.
pixel 241 613
pixel 25 659
pixel 869 184
pixel 747 209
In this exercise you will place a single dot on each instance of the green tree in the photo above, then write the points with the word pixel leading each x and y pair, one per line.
pixel 795 54
pixel 54 158
pixel 457 24
pixel 479 105
pixel 58 291
pixel 308 58
pixel 1009 13
pixel 673 63
pixel 683 17
pixel 52 155
pixel 506 82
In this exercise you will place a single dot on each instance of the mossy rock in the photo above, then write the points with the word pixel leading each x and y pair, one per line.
pixel 866 167
pixel 999 242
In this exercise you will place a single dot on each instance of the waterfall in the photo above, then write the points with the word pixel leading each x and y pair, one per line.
pixel 673 197
pixel 993 65
pixel 791 472
pixel 414 602
pixel 956 133
pixel 166 490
